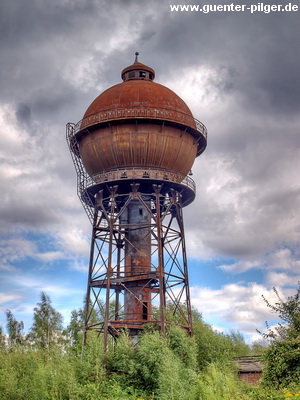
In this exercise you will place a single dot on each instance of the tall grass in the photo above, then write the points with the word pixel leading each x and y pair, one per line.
pixel 158 368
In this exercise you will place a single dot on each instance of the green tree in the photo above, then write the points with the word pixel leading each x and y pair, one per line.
pixel 282 364
pixel 15 329
pixel 47 326
pixel 237 343
pixel 215 347
pixel 2 338
pixel 75 327
pixel 258 347
pixel 283 356
pixel 182 345
pixel 289 312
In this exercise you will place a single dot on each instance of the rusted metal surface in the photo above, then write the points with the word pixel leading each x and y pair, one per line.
pixel 136 221
pixel 138 93
pixel 88 185
pixel 132 152
pixel 142 100
pixel 134 113
pixel 138 145
pixel 151 265
pixel 160 257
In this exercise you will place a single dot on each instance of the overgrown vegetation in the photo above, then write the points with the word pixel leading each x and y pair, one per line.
pixel 49 364
pixel 283 355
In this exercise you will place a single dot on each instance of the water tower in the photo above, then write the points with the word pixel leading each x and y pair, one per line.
pixel 133 152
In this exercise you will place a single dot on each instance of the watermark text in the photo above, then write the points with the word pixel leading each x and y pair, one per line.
pixel 252 8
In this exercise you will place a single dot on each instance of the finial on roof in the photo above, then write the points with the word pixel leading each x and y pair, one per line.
pixel 136 57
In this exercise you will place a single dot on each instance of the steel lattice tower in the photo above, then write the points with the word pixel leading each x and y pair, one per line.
pixel 133 151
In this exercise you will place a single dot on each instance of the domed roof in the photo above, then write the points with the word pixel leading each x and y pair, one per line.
pixel 138 97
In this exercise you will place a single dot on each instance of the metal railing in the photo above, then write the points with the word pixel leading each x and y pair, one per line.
pixel 82 175
pixel 84 181
pixel 140 173
pixel 141 112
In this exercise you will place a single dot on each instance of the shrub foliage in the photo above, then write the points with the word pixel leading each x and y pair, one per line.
pixel 49 363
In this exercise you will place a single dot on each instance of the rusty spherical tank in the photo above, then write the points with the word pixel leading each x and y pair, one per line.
pixel 139 123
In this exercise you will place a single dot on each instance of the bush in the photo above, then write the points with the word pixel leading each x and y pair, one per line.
pixel 282 364
pixel 217 382
pixel 164 366
pixel 213 347
pixel 183 346
pixel 28 374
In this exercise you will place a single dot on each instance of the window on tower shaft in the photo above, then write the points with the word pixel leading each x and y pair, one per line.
pixel 145 310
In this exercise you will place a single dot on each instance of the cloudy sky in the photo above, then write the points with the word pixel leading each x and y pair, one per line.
pixel 238 72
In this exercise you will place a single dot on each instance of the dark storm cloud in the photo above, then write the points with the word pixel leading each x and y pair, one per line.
pixel 39 40
pixel 238 73
pixel 35 21
pixel 263 49
pixel 60 56
pixel 56 55
pixel 23 113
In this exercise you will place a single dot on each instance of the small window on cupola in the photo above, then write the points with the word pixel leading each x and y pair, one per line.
pixel 142 74
pixel 131 74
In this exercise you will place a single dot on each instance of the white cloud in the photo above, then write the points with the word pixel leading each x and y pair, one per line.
pixel 41 285
pixel 284 259
pixel 9 297
pixel 202 85
pixel 282 279
pixel 27 282
pixel 71 244
pixel 50 256
pixel 240 266
pixel 74 241
pixel 247 194
pixel 61 291
pixel 13 250
pixel 12 139
pixel 241 307
pixel 79 265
